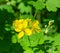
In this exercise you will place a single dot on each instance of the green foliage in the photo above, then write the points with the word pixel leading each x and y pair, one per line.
pixel 42 10
pixel 38 5
pixel 30 51
pixel 52 5
pixel 14 39
pixel 23 8
pixel 34 39
pixel 56 40
pixel 7 7
pixel 24 42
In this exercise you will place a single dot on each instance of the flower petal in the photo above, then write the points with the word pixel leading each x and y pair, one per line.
pixel 28 31
pixel 25 23
pixel 37 30
pixel 15 23
pixel 21 34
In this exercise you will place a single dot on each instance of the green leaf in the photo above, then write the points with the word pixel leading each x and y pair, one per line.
pixel 58 50
pixel 41 40
pixel 27 16
pixel 36 50
pixel 41 51
pixel 31 2
pixel 7 29
pixel 24 42
pixel 28 51
pixel 13 2
pixel 23 8
pixel 14 39
pixel 39 5
pixel 51 51
pixel 56 40
pixel 7 7
pixel 27 9
pixel 52 5
pixel 18 1
pixel 34 39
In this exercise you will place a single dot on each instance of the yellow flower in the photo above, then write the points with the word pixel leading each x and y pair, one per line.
pixel 28 31
pixel 35 26
pixel 25 23
pixel 18 25
pixel 21 27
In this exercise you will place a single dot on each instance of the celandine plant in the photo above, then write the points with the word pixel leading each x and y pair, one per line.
pixel 27 33
pixel 31 37
pixel 26 26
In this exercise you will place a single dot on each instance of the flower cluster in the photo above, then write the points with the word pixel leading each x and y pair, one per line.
pixel 26 26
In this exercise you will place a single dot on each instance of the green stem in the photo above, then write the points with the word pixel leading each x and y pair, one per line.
pixel 35 14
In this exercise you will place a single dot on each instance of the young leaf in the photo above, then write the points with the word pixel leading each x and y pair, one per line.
pixel 24 42
pixel 52 5
pixel 14 39
pixel 38 5
pixel 23 8
pixel 29 50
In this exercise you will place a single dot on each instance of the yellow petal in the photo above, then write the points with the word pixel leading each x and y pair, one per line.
pixel 21 34
pixel 28 31
pixel 18 25
pixel 35 23
pixel 37 30
pixel 15 23
pixel 18 28
pixel 25 23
